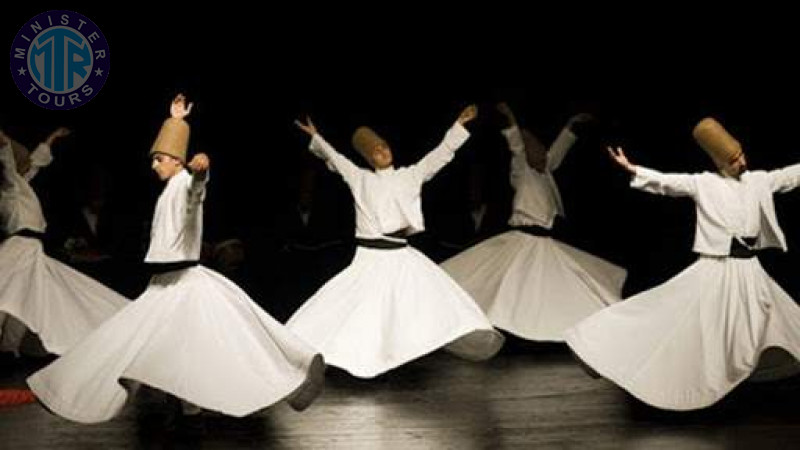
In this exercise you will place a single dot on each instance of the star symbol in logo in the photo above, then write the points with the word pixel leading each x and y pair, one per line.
pixel 98 72
pixel 22 71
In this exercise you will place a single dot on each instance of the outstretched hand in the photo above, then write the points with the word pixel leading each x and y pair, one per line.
pixel 199 163
pixel 619 157
pixel 469 113
pixel 179 109
pixel 59 133
pixel 308 127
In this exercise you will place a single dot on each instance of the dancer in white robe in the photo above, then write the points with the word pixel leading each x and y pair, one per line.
pixel 527 282
pixel 38 293
pixel 391 304
pixel 193 333
pixel 688 342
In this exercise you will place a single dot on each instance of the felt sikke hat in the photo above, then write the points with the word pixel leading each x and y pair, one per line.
pixel 172 139
pixel 717 142
pixel 365 139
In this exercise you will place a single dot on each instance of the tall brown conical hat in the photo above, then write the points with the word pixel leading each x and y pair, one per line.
pixel 364 139
pixel 172 139
pixel 717 142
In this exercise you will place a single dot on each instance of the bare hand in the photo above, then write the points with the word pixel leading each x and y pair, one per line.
pixel 3 139
pixel 179 109
pixel 469 113
pixel 59 133
pixel 199 163
pixel 308 127
pixel 619 157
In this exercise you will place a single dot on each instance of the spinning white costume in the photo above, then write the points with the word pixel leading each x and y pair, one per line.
pixel 688 342
pixel 39 293
pixel 391 304
pixel 192 333
pixel 529 283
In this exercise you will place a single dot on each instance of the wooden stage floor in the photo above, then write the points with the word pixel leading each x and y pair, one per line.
pixel 528 396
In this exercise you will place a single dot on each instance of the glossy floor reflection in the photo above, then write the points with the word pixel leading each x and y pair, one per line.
pixel 529 396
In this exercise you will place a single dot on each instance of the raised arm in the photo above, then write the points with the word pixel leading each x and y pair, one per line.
pixel 508 114
pixel 653 181
pixel 58 134
pixel 437 158
pixel 42 155
pixel 335 161
pixel 199 165
pixel 513 136
pixel 30 163
pixel 565 140
pixel 511 132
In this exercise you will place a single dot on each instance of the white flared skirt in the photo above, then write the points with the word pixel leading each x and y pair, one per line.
pixel 58 303
pixel 389 307
pixel 535 287
pixel 193 334
pixel 688 342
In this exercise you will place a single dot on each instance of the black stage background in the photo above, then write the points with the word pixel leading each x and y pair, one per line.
pixel 408 71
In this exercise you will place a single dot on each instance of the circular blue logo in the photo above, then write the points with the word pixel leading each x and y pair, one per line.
pixel 60 59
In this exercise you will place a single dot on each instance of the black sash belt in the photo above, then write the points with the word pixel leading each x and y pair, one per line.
pixel 159 268
pixel 738 250
pixel 534 230
pixel 28 233
pixel 384 244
